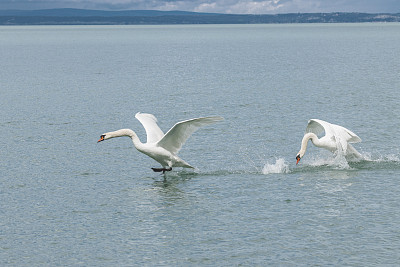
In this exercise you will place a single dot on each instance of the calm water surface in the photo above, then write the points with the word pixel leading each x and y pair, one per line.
pixel 66 200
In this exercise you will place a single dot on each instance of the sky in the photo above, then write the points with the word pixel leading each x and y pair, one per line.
pixel 216 6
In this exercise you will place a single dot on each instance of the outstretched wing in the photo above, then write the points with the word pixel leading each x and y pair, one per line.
pixel 181 131
pixel 149 122
pixel 318 127
pixel 335 132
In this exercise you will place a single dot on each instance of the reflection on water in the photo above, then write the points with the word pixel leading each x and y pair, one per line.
pixel 169 187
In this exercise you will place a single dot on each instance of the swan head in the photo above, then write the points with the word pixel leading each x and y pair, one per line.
pixel 298 157
pixel 104 136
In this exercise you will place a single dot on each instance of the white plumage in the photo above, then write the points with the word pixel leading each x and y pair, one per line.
pixel 159 146
pixel 336 138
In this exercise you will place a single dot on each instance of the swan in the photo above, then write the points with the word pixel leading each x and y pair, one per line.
pixel 161 147
pixel 336 139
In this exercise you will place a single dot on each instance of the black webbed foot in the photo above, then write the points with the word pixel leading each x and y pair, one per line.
pixel 163 170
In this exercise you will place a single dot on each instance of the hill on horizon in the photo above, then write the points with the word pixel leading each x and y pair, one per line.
pixel 71 16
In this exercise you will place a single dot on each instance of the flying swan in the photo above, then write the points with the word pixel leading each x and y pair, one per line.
pixel 161 147
pixel 336 139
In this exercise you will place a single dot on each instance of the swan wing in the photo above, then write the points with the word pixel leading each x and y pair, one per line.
pixel 174 139
pixel 335 132
pixel 149 122
pixel 319 127
pixel 348 135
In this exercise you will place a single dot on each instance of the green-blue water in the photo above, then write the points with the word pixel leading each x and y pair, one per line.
pixel 66 200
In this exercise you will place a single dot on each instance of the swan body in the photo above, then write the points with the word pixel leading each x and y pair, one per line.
pixel 336 139
pixel 161 147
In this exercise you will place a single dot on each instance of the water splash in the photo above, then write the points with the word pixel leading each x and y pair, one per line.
pixel 377 157
pixel 280 166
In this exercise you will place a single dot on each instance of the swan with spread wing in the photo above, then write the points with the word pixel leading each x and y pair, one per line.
pixel 336 138
pixel 161 147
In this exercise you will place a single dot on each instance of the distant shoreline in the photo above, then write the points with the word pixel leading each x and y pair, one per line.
pixel 68 16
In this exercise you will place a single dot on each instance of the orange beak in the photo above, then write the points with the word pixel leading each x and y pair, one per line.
pixel 101 139
pixel 298 159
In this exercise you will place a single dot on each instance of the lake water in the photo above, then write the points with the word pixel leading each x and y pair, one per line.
pixel 66 200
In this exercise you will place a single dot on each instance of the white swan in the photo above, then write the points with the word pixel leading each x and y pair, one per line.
pixel 159 146
pixel 336 139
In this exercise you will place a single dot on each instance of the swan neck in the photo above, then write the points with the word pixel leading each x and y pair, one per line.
pixel 136 141
pixel 304 142
pixel 129 133
pixel 311 136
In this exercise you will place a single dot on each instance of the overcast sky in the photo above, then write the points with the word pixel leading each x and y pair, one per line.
pixel 217 6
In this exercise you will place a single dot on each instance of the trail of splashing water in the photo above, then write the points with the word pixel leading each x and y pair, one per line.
pixel 280 166
pixel 377 157
pixel 336 162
